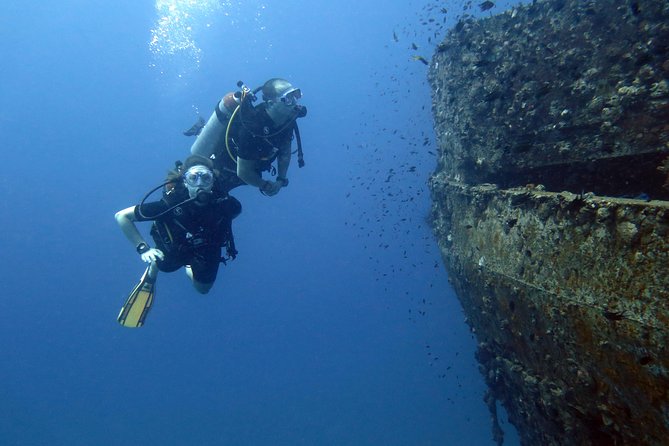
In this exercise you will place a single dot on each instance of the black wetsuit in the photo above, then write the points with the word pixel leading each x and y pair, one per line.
pixel 192 234
pixel 256 136
pixel 253 136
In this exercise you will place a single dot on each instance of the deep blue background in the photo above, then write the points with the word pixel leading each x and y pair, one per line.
pixel 335 325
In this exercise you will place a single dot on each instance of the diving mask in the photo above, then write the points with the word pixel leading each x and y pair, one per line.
pixel 291 96
pixel 200 177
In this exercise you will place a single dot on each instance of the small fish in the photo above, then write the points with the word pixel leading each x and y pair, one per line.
pixel 196 128
pixel 486 5
pixel 420 59
pixel 414 46
pixel 395 37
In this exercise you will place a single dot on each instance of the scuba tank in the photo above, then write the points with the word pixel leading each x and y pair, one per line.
pixel 212 135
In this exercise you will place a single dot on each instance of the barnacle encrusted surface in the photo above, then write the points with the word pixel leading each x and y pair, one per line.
pixel 570 94
pixel 549 208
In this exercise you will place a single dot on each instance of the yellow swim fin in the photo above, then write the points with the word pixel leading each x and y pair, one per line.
pixel 139 302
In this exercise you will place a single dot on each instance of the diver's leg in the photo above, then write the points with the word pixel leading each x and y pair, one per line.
pixel 201 287
pixel 204 268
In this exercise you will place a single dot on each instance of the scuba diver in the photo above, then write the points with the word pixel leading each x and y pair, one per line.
pixel 191 224
pixel 244 140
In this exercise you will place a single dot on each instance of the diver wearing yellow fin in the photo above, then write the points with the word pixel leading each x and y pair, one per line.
pixel 139 302
pixel 191 224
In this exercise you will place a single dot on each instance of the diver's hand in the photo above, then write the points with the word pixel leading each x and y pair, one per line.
pixel 152 255
pixel 271 188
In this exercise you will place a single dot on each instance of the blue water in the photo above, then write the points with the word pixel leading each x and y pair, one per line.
pixel 335 325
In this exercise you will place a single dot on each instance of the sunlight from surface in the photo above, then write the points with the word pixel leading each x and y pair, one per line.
pixel 174 42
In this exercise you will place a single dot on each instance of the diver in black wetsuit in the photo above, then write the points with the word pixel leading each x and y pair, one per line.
pixel 191 224
pixel 244 140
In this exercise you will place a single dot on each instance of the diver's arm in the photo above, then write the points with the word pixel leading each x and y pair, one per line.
pixel 126 220
pixel 247 172
pixel 283 161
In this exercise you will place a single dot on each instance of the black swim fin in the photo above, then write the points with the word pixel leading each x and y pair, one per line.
pixel 196 129
pixel 139 302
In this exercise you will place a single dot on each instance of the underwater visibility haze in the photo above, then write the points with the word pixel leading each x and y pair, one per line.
pixel 335 325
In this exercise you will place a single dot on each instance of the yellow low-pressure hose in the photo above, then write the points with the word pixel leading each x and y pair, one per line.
pixel 227 132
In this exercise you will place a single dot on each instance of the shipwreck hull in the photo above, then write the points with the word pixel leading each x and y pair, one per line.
pixel 569 308
pixel 549 206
